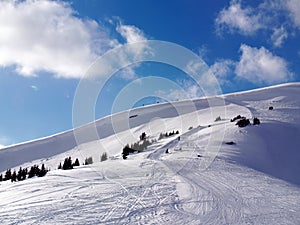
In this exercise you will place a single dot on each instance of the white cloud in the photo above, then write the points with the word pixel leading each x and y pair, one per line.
pixel 203 52
pixel 195 68
pixel 128 73
pixel 222 68
pixel 278 36
pixel 48 36
pixel 276 18
pixel 261 66
pixel 294 9
pixel 258 65
pixel 131 33
pixel 235 18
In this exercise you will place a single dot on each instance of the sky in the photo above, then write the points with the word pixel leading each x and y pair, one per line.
pixel 46 48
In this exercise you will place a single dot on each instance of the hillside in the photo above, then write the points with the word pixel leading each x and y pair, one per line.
pixel 217 173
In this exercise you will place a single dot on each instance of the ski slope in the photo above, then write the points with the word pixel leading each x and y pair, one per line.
pixel 202 180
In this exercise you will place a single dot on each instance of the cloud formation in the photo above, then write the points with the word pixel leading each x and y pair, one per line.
pixel 279 35
pixel 131 33
pixel 276 18
pixel 48 36
pixel 293 7
pixel 222 69
pixel 238 19
pixel 259 65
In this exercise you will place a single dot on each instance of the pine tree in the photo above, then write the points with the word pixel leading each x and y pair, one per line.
pixel 24 173
pixel 103 157
pixel 7 175
pixel 161 136
pixel 20 174
pixel 14 177
pixel 143 136
pixel 1 177
pixel 76 163
pixel 67 164
pixel 88 161
pixel 42 171
pixel 31 172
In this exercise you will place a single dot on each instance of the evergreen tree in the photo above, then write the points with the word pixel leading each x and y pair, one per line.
pixel 103 157
pixel 24 173
pixel 14 177
pixel 59 166
pixel 76 163
pixel 1 177
pixel 32 171
pixel 7 175
pixel 42 171
pixel 67 164
pixel 143 136
pixel 161 136
pixel 88 161
pixel 20 174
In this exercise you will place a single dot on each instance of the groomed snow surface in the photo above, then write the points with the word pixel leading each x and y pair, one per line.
pixel 202 180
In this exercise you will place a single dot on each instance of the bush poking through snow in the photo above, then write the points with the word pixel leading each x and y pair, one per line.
pixel 230 143
pixel 126 151
pixel 256 121
pixel 238 117
pixel 271 108
pixel 243 122
pixel 218 119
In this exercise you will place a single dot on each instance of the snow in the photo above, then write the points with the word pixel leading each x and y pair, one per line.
pixel 202 180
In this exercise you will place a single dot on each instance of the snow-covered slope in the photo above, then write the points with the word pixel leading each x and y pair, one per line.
pixel 202 180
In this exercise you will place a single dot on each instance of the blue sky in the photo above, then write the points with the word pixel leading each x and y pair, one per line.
pixel 47 46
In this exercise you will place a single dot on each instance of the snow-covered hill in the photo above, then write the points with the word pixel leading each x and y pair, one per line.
pixel 202 180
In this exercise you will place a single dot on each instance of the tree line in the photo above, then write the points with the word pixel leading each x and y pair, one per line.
pixel 24 173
